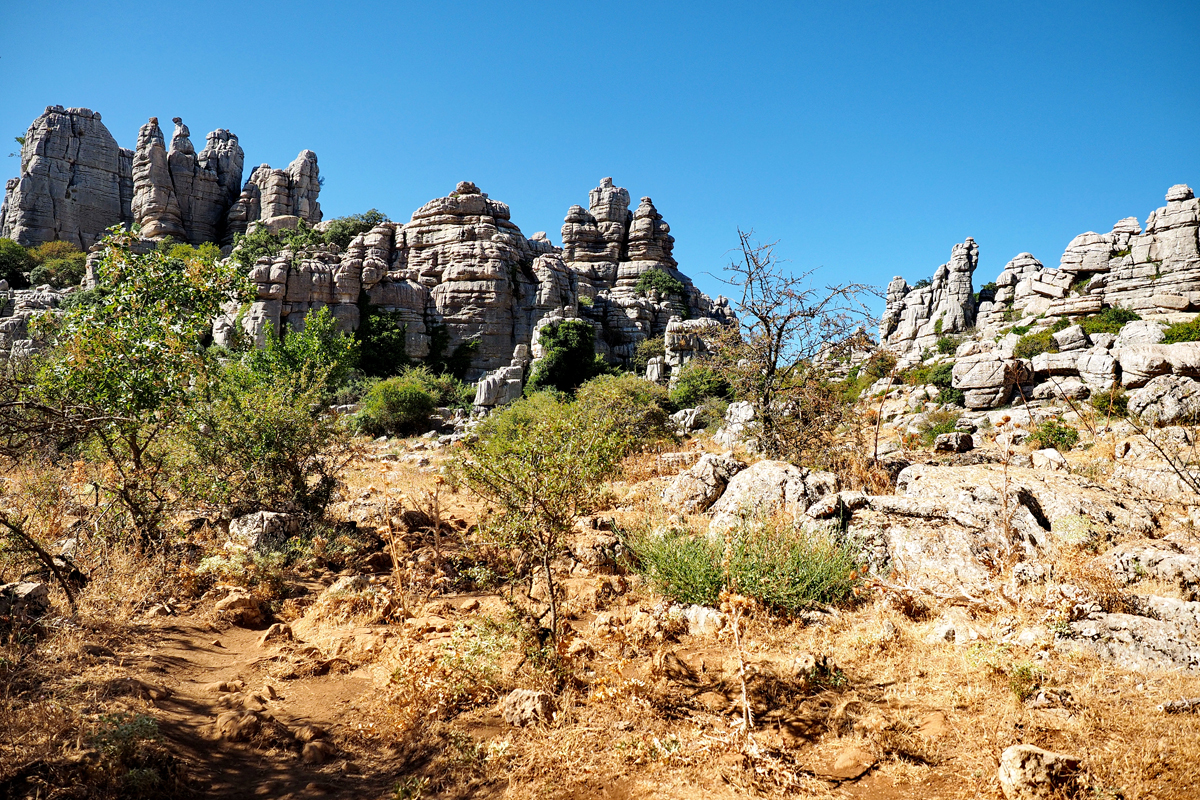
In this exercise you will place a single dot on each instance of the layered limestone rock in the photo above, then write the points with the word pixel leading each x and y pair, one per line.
pixel 463 278
pixel 914 318
pixel 278 197
pixel 75 181
pixel 1154 272
pixel 182 193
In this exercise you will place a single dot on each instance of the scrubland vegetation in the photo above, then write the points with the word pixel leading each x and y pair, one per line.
pixel 420 578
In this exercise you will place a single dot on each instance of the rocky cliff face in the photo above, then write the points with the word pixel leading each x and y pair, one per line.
pixel 75 181
pixel 915 318
pixel 462 275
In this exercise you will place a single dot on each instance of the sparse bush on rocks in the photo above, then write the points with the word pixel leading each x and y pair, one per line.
pixel 660 281
pixel 15 261
pixel 1053 433
pixel 1113 402
pixel 1183 332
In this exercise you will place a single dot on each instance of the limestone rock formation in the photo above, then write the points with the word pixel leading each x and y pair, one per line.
pixel 75 181
pixel 463 278
pixel 180 193
pixel 914 318
pixel 1153 271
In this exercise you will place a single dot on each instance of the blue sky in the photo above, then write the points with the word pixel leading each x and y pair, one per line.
pixel 867 137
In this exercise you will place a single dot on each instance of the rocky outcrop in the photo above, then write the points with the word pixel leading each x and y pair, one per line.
pixel 180 193
pixel 914 318
pixel 75 181
pixel 464 279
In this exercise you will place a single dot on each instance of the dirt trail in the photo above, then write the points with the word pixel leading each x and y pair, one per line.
pixel 188 655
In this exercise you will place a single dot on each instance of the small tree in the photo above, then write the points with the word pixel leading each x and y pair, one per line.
pixel 541 462
pixel 118 372
pixel 774 357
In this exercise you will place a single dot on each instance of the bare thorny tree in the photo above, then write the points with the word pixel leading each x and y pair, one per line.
pixel 778 357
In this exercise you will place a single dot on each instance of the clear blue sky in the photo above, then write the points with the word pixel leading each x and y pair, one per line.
pixel 868 137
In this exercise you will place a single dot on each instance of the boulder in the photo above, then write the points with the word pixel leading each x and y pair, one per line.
pixel 955 442
pixel 1164 635
pixel 264 531
pixel 697 488
pixel 987 379
pixel 769 487
pixel 1028 772
pixel 24 600
pixel 1160 560
pixel 738 428
pixel 1072 338
pixel 1139 332
pixel 1142 363
pixel 1167 400
pixel 1049 458
pixel 526 706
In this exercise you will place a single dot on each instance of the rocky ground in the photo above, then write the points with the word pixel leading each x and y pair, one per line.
pixel 1028 621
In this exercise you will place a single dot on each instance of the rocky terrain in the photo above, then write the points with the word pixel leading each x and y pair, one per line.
pixel 1154 273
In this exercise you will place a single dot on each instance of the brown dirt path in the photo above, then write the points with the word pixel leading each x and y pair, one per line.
pixel 188 654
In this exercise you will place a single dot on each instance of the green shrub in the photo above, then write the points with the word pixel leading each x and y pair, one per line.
pixel 712 413
pixel 542 462
pixel 446 390
pixel 635 405
pixel 381 340
pixel 660 281
pixel 939 422
pixel 1183 332
pixel 783 568
pixel 570 357
pixel 1052 433
pixel 946 345
pixel 342 230
pixel 395 406
pixel 937 326
pixel 697 382
pixel 1114 402
pixel 1032 344
pixel 60 264
pixel 15 261
pixel 921 284
pixel 1110 320
pixel 319 345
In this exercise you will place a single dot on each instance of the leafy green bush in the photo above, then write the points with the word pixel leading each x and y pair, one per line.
pixel 712 413
pixel 342 230
pixel 785 569
pixel 633 404
pixel 1110 320
pixel 1183 332
pixel 659 280
pixel 946 345
pixel 58 263
pixel 1114 402
pixel 1032 344
pixel 921 284
pixel 319 345
pixel 381 340
pixel 697 382
pixel 570 357
pixel 15 261
pixel 446 390
pixel 395 406
pixel 1053 433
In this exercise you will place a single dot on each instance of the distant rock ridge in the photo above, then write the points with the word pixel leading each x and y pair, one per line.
pixel 1151 271
pixel 460 271
pixel 76 182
